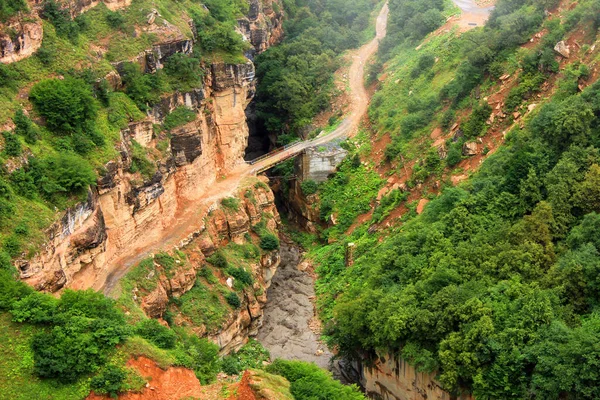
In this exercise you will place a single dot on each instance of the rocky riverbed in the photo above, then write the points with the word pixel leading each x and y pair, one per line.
pixel 290 323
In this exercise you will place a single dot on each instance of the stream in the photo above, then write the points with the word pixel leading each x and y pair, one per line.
pixel 286 331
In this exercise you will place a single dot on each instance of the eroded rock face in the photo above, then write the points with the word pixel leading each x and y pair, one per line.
pixel 137 211
pixel 24 42
pixel 263 26
pixel 222 226
pixel 392 378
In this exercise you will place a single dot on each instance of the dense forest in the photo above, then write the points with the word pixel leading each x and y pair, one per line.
pixel 494 285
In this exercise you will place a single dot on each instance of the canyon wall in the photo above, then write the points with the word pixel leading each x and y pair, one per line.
pixel 220 227
pixel 392 378
pixel 126 214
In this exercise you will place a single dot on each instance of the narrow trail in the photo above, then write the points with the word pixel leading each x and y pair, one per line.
pixel 191 214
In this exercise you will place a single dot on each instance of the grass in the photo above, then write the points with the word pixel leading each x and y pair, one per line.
pixel 203 306
pixel 16 368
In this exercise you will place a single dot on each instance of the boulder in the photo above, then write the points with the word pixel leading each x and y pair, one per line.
pixel 563 49
pixel 469 149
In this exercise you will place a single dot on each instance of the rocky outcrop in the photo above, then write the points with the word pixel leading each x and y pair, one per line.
pixel 263 26
pixel 20 39
pixel 221 227
pixel 392 378
pixel 136 211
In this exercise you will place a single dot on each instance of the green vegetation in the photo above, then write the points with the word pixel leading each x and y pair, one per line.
pixel 251 356
pixel 494 284
pixel 296 76
pixel 9 8
pixel 311 382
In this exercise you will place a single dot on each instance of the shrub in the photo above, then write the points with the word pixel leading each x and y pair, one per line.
pixel 110 381
pixel 184 72
pixel 9 8
pixel 269 242
pixel 218 260
pixel 199 354
pixel 8 76
pixel 12 146
pixel 115 20
pixel 180 116
pixel 66 173
pixel 309 187
pixel 425 63
pixel 142 88
pixel 153 331
pixel 231 203
pixel 311 382
pixel 454 155
pixel 24 127
pixel 37 308
pixel 140 162
pixel 241 275
pixel 11 290
pixel 61 19
pixel 67 105
pixel 12 245
pixel 233 300
pixel 230 365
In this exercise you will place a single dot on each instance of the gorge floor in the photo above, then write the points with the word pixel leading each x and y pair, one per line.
pixel 286 330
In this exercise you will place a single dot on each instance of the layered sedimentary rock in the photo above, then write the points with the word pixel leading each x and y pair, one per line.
pixel 221 227
pixel 135 212
pixel 392 378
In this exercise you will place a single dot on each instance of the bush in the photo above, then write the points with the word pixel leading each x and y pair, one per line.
pixel 115 20
pixel 311 382
pixel 231 203
pixel 142 88
pixel 109 381
pixel 66 173
pixel 12 146
pixel 199 354
pixel 24 127
pixel 309 187
pixel 61 19
pixel 67 105
pixel 87 327
pixel 184 72
pixel 454 155
pixel 37 308
pixel 9 8
pixel 269 242
pixel 230 365
pixel 241 275
pixel 218 260
pixel 234 301
pixel 153 331
pixel 140 162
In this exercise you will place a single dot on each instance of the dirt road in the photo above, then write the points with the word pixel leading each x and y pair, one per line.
pixel 192 214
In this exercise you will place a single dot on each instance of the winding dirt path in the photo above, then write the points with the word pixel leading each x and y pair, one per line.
pixel 192 214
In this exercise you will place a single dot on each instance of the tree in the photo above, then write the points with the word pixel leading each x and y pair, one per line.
pixel 156 333
pixel 67 105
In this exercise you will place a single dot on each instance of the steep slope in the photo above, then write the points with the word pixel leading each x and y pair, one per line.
pixel 438 291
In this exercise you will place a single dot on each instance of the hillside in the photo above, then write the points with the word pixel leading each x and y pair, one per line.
pixel 460 248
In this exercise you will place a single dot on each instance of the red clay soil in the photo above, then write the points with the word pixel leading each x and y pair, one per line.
pixel 244 391
pixel 171 384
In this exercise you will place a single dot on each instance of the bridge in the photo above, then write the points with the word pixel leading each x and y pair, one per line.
pixel 186 224
pixel 359 103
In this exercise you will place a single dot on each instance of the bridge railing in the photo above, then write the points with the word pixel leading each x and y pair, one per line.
pixel 274 152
